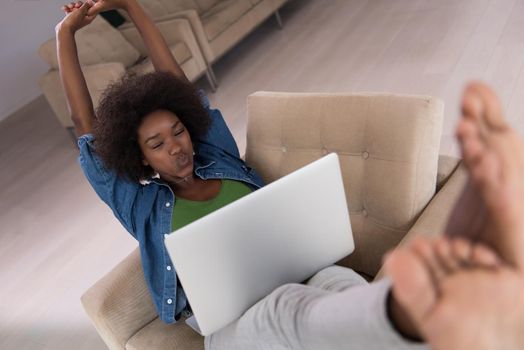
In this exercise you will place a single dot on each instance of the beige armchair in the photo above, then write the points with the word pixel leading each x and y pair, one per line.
pixel 218 25
pixel 396 184
pixel 106 54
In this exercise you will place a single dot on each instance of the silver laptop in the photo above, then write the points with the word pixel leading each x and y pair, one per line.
pixel 283 233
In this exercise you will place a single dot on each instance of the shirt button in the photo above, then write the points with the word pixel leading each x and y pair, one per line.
pixel 165 235
pixel 168 204
pixel 365 155
pixel 170 301
pixel 168 268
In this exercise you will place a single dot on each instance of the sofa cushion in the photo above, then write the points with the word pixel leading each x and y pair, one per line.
pixel 388 147
pixel 161 8
pixel 222 15
pixel 206 5
pixel 179 50
pixel 97 43
pixel 160 336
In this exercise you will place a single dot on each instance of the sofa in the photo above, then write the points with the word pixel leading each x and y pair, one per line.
pixel 107 53
pixel 218 25
pixel 396 184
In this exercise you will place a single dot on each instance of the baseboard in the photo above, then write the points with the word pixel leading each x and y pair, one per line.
pixel 21 105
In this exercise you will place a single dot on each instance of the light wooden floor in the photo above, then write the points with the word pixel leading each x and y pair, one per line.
pixel 57 238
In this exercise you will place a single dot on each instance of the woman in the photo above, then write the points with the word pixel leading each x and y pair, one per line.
pixel 161 158
pixel 155 152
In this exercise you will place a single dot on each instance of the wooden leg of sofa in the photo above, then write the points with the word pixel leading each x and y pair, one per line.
pixel 210 81
pixel 212 74
pixel 279 19
pixel 71 132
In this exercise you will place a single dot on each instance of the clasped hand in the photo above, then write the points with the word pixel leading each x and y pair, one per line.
pixel 80 14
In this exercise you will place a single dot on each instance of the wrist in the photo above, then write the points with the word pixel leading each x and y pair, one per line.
pixel 129 5
pixel 64 30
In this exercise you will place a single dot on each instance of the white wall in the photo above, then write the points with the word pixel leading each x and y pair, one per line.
pixel 24 25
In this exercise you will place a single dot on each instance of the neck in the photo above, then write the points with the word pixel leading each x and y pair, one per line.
pixel 183 183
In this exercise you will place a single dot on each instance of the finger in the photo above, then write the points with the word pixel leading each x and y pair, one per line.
pixel 95 8
pixel 85 8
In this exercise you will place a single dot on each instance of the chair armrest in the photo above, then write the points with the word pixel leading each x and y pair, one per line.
pixel 173 30
pixel 97 76
pixel 432 221
pixel 119 304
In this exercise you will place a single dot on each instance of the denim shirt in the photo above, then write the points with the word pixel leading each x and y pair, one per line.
pixel 145 209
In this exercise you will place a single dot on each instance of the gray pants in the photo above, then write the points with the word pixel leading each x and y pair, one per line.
pixel 336 309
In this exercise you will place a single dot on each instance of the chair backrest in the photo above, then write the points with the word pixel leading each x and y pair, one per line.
pixel 388 147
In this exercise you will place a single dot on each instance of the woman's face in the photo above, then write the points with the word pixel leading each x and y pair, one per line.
pixel 166 145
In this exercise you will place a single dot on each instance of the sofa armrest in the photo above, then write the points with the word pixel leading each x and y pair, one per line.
pixel 432 221
pixel 197 28
pixel 446 167
pixel 119 304
pixel 173 30
pixel 97 76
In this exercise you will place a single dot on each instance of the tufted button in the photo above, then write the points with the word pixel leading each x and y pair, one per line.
pixel 284 149
pixel 324 151
pixel 364 212
pixel 365 155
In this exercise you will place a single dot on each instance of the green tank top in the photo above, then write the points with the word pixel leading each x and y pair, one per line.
pixel 186 211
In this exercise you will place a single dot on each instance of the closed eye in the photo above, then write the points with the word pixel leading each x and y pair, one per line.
pixel 179 132
pixel 158 145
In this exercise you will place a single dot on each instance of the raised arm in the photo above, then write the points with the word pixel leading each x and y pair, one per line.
pixel 75 87
pixel 158 51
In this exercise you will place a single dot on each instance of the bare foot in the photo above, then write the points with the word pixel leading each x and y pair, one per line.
pixel 491 209
pixel 459 295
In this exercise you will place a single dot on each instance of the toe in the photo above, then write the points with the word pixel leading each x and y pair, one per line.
pixel 471 105
pixel 486 175
pixel 461 249
pixel 482 256
pixel 492 109
pixel 444 255
pixel 472 151
pixel 423 248
pixel 412 283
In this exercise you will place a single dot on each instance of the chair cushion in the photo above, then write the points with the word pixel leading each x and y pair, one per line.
pixel 97 43
pixel 222 15
pixel 179 50
pixel 388 147
pixel 160 336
